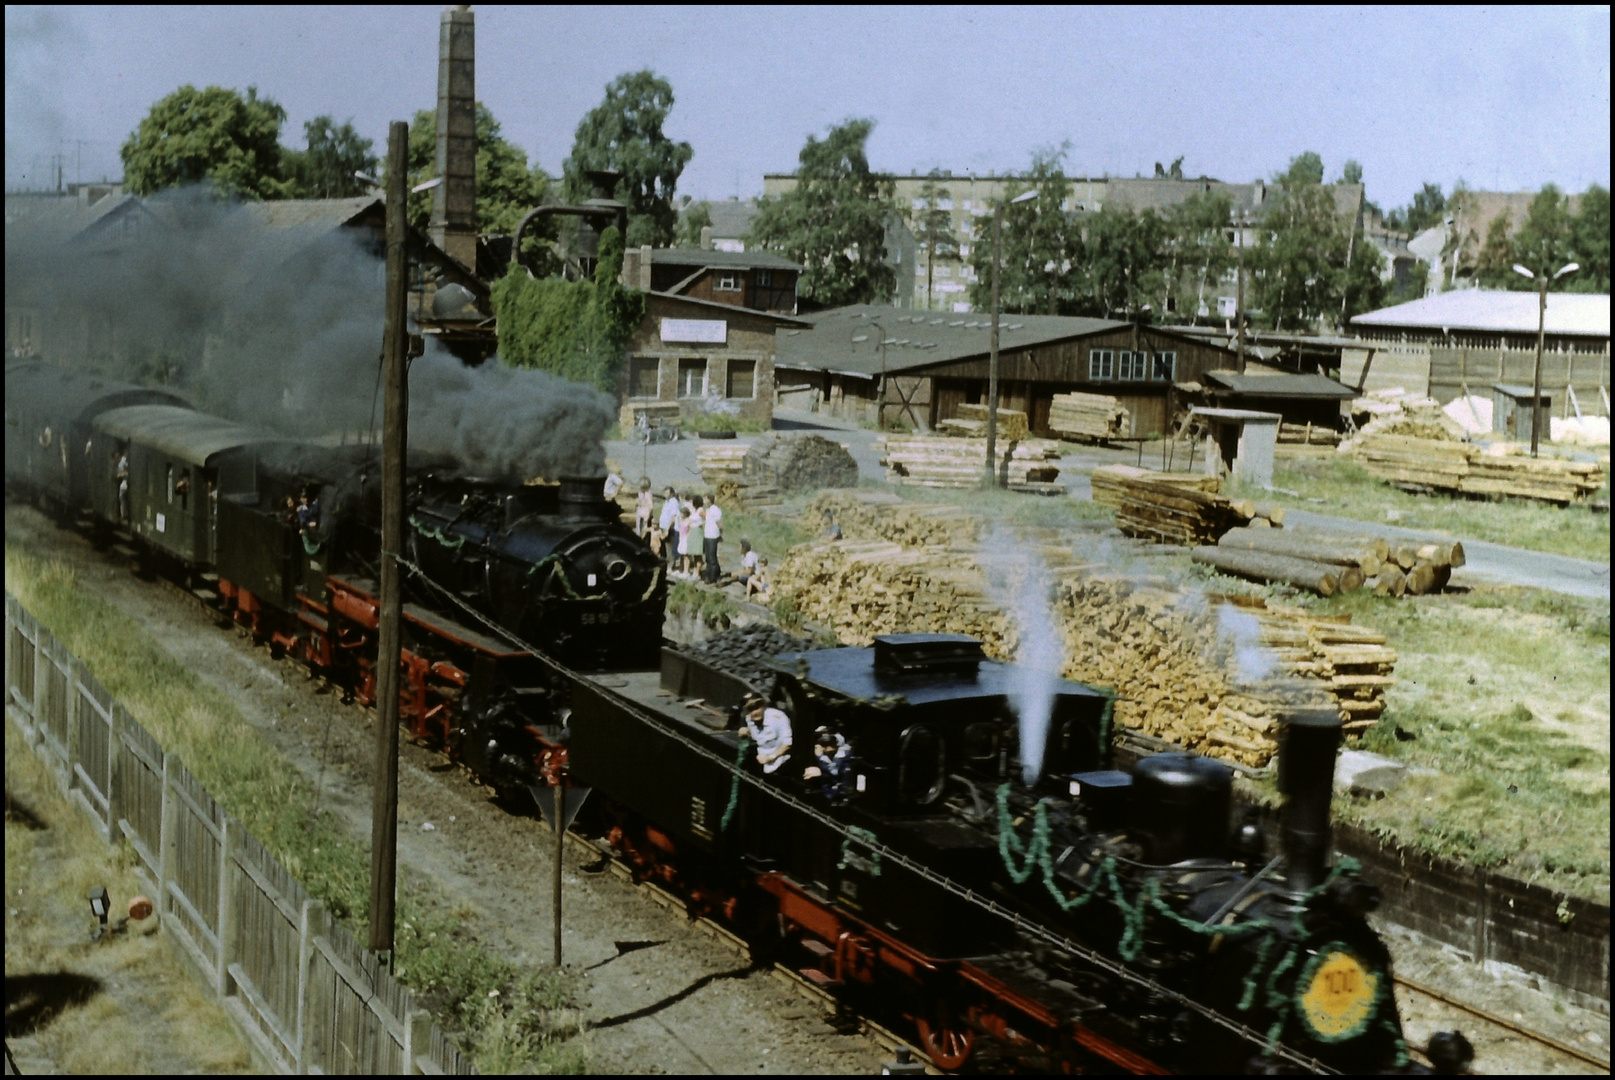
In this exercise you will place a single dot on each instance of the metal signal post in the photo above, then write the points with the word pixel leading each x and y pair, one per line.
pixel 395 343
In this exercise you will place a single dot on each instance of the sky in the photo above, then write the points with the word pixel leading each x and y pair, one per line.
pixel 1506 99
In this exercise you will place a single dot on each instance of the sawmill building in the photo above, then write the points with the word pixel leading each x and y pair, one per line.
pixel 913 370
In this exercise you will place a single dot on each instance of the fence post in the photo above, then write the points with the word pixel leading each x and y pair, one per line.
pixel 165 833
pixel 308 927
pixel 41 662
pixel 120 723
pixel 227 902
pixel 417 1038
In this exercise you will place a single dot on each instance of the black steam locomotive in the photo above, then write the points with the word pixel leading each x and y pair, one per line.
pixel 1106 915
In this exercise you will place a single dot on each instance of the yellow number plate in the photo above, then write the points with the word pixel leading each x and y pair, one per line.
pixel 1339 998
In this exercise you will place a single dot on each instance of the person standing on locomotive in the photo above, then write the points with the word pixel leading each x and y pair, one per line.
pixel 832 755
pixel 770 730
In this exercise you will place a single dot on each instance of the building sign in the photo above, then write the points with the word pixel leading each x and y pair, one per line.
pixel 706 331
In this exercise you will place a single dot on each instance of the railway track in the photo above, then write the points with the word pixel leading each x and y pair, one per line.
pixel 1556 1046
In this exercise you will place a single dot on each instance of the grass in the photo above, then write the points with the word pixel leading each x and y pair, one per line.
pixel 1504 695
pixel 772 535
pixel 150 1013
pixel 1333 485
pixel 435 953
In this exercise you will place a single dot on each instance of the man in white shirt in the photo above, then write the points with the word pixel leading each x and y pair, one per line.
pixel 748 562
pixel 770 731
pixel 666 523
pixel 712 523
pixel 614 482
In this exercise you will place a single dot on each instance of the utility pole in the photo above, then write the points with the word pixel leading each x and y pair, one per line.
pixel 395 343
pixel 990 479
pixel 1542 279
pixel 1239 292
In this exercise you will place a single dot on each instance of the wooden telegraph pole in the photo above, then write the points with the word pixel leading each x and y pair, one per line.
pixel 395 342
pixel 991 478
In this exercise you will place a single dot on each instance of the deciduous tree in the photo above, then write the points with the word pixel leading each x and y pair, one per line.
pixel 696 218
pixel 325 170
pixel 506 187
pixel 1301 258
pixel 1590 234
pixel 932 224
pixel 624 134
pixel 216 135
pixel 1042 245
pixel 834 221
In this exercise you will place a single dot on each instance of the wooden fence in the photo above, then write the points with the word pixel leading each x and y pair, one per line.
pixel 307 995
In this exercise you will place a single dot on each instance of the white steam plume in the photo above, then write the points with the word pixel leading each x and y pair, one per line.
pixel 1020 584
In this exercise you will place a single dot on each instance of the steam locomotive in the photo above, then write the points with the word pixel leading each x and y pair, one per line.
pixel 1095 918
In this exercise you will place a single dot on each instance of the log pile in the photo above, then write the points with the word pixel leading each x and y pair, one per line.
pixel 1174 508
pixel 939 461
pixel 1308 434
pixel 971 422
pixel 880 515
pixel 1328 563
pixel 798 462
pixel 1500 469
pixel 1087 416
pixel 1182 668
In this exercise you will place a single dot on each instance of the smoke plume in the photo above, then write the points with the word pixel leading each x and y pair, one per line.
pixel 271 315
pixel 1020 584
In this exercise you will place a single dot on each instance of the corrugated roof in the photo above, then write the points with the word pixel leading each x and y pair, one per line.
pixel 1285 385
pixel 866 339
pixel 1495 311
pixel 728 260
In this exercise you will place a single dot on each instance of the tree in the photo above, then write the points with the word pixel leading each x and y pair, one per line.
pixel 1123 262
pixel 834 221
pixel 1546 237
pixel 506 188
pixel 624 135
pixel 1494 266
pixel 1042 246
pixel 1428 208
pixel 1198 249
pixel 325 170
pixel 1365 289
pixel 1305 168
pixel 933 227
pixel 697 216
pixel 1351 173
pixel 1301 258
pixel 1590 232
pixel 215 135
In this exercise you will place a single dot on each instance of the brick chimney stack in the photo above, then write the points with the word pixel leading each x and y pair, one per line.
pixel 453 225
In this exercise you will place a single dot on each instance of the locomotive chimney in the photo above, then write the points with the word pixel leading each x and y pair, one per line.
pixel 583 497
pixel 1306 779
pixel 453 225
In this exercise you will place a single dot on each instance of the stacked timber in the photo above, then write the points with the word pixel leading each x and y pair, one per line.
pixel 1087 416
pixel 939 461
pixel 1353 662
pixel 721 460
pixel 1328 563
pixel 1501 469
pixel 880 515
pixel 1308 434
pixel 1174 507
pixel 971 422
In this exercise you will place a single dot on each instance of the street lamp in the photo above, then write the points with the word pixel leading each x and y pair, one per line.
pixel 990 478
pixel 1542 280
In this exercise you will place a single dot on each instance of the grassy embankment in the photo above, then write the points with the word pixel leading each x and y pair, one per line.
pixel 436 954
pixel 1333 485
pixel 124 1005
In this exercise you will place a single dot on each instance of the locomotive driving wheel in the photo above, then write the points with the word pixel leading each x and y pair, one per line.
pixel 948 1041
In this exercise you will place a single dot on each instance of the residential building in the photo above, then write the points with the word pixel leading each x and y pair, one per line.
pixel 731 221
pixel 1463 341
pixel 1452 248
pixel 892 366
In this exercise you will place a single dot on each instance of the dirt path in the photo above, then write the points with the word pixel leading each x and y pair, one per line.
pixel 672 1001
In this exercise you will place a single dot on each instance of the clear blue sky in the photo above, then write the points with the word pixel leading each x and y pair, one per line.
pixel 1505 98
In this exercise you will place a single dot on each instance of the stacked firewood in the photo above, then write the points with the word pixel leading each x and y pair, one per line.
pixel 971 422
pixel 880 515
pixel 1174 508
pixel 938 461
pixel 1328 563
pixel 1500 469
pixel 1087 416
pixel 1182 669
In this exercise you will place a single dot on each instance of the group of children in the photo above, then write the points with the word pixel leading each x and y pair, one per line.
pixel 687 534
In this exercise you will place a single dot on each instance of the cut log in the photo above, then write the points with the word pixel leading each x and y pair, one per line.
pixel 1313 546
pixel 1390 581
pixel 1320 578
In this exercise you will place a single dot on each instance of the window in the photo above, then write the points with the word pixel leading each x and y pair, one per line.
pixel 1101 364
pixel 692 378
pixel 729 282
pixel 919 204
pixel 643 372
pixel 764 278
pixel 944 271
pixel 944 204
pixel 1225 306
pixel 742 379
pixel 1124 365
pixel 1166 366
pixel 967 204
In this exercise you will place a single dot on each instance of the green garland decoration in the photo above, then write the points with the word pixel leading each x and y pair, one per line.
pixel 868 837
pixel 453 543
pixel 310 545
pixel 734 783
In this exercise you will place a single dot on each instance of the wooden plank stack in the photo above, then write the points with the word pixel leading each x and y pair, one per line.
pixel 1087 416
pixel 1328 563
pixel 720 460
pixel 1500 469
pixel 1174 508
pixel 1179 672
pixel 939 461
pixel 971 422
pixel 880 515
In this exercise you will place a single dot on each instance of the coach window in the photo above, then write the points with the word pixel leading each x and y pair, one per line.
pixel 692 378
pixel 170 483
pixel 742 379
pixel 643 373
